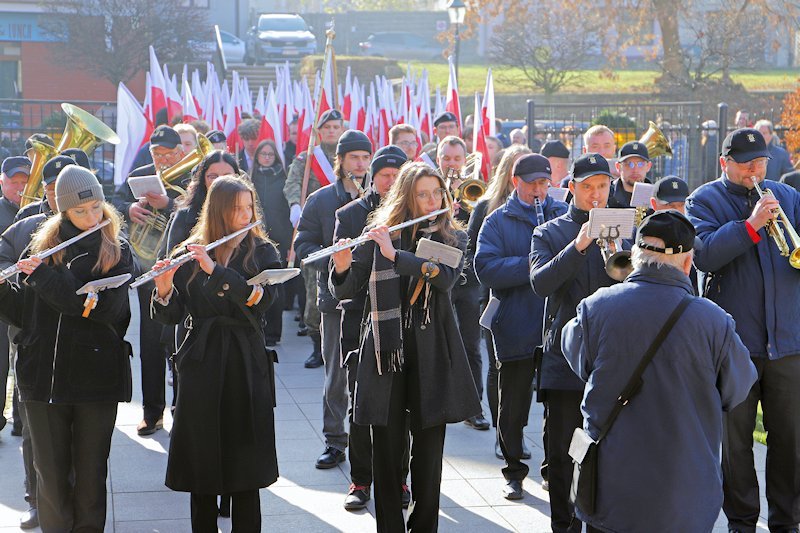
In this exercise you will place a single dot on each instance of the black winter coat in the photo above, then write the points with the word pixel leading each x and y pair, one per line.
pixel 223 436
pixel 63 357
pixel 447 390
pixel 269 182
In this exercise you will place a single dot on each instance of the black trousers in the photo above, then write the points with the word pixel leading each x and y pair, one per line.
pixel 466 302
pixel 777 389
pixel 71 443
pixel 427 448
pixel 564 415
pixel 245 512
pixel 274 317
pixel 154 354
pixel 491 376
pixel 516 382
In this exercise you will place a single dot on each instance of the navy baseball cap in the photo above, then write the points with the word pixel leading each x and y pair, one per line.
pixel 16 164
pixel 327 116
pixel 532 167
pixel 589 165
pixel 78 157
pixel 744 144
pixel 165 137
pixel 671 189
pixel 633 149
pixel 216 136
pixel 54 166
pixel 671 227
pixel 555 149
pixel 447 116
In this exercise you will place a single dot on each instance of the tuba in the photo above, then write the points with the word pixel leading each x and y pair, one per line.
pixel 83 131
pixel 656 142
pixel 146 238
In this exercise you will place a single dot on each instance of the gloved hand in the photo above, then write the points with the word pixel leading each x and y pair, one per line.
pixel 294 214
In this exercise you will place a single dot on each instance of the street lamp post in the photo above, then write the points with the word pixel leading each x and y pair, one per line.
pixel 456 11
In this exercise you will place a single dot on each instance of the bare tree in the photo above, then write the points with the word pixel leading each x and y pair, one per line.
pixel 110 38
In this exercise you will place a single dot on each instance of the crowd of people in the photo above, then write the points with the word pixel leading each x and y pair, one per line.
pixel 398 322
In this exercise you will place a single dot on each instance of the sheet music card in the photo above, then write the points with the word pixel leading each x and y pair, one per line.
pixel 105 283
pixel 642 192
pixel 610 223
pixel 274 276
pixel 438 253
pixel 141 185
pixel 558 193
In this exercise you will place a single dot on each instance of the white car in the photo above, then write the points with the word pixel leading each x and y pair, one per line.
pixel 233 47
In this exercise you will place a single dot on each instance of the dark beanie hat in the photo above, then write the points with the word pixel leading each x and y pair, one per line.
pixel 353 140
pixel 390 156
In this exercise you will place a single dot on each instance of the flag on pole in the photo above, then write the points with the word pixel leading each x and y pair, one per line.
pixel 233 117
pixel 451 103
pixel 158 91
pixel 479 142
pixel 132 131
pixel 487 109
pixel 321 167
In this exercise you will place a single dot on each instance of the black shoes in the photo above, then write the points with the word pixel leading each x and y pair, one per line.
pixel 147 427
pixel 406 497
pixel 330 458
pixel 224 508
pixel 357 497
pixel 513 490
pixel 29 519
pixel 16 430
pixel 478 422
pixel 302 329
pixel 272 342
pixel 315 359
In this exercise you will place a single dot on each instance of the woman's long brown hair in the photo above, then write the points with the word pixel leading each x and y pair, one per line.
pixel 216 221
pixel 400 203
pixel 47 236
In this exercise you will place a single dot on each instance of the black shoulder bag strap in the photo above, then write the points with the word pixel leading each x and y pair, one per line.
pixel 635 383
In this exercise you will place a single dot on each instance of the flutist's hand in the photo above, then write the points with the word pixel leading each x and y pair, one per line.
pixel 164 281
pixel 343 258
pixel 381 237
pixel 29 264
pixel 582 241
pixel 763 212
pixel 200 255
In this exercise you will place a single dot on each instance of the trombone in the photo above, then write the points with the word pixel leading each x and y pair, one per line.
pixel 775 231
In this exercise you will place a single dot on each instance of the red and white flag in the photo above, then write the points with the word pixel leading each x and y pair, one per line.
pixel 479 142
pixel 347 101
pixel 189 110
pixel 198 93
pixel 322 167
pixel 451 102
pixel 148 106
pixel 158 90
pixel 132 131
pixel 174 100
pixel 271 124
pixel 357 116
pixel 487 109
pixel 326 94
pixel 233 117
pixel 305 120
pixel 424 105
pixel 261 103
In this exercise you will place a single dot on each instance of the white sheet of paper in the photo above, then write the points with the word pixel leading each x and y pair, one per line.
pixel 642 192
pixel 141 185
pixel 558 193
pixel 488 314
pixel 438 253
pixel 609 223
pixel 102 284
pixel 274 276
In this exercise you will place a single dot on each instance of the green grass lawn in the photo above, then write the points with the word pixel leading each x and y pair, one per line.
pixel 472 78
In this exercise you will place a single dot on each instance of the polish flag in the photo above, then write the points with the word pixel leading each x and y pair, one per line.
pixel 198 93
pixel 347 102
pixel 357 114
pixel 487 110
pixel 233 117
pixel 326 94
pixel 322 167
pixel 174 100
pixel 245 96
pixel 270 123
pixel 189 109
pixel 158 90
pixel 305 120
pixel 371 113
pixel 451 103
pixel 424 105
pixel 479 142
pixel 148 106
pixel 132 129
pixel 261 103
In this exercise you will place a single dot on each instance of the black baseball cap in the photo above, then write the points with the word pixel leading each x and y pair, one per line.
pixel 531 167
pixel 671 189
pixel 15 165
pixel 327 116
pixel 447 116
pixel 40 137
pixel 78 157
pixel 389 156
pixel 165 137
pixel 671 227
pixel 216 136
pixel 54 166
pixel 555 149
pixel 589 165
pixel 633 149
pixel 744 144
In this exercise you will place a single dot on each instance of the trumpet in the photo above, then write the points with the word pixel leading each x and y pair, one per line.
pixel 617 261
pixel 13 270
pixel 775 231
pixel 330 250
pixel 188 256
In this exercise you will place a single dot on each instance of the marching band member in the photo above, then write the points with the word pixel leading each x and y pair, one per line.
pixel 632 165
pixel 411 357
pixel 223 436
pixel 71 391
pixel 501 263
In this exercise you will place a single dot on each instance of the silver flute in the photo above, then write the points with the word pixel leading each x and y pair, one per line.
pixel 330 250
pixel 175 262
pixel 13 270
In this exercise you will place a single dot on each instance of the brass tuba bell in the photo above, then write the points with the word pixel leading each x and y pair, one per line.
pixel 656 142
pixel 33 191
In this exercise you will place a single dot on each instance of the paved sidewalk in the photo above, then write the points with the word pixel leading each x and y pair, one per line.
pixel 304 498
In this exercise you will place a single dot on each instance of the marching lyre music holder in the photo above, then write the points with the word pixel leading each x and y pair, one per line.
pixel 93 289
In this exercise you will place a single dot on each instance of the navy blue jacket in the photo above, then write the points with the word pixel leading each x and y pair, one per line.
pixel 779 163
pixel 750 281
pixel 671 431
pixel 501 263
pixel 315 232
pixel 564 276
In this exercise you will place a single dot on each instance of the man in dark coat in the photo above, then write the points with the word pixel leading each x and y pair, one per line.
pixel 501 263
pixel 566 265
pixel 743 271
pixel 166 149
pixel 314 232
pixel 780 162
pixel 632 165
pixel 671 430
pixel 350 222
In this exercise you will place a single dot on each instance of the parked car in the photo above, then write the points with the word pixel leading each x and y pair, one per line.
pixel 233 47
pixel 401 45
pixel 279 36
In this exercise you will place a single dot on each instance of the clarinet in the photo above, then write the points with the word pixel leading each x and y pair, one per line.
pixel 539 211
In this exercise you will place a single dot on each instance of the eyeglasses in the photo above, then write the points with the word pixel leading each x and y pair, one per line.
pixel 406 144
pixel 267 155
pixel 437 194
pixel 759 162
pixel 635 164
pixel 162 157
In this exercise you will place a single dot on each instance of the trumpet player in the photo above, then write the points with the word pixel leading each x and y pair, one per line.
pixel 566 265
pixel 743 271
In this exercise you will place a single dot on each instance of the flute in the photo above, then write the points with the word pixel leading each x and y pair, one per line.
pixel 330 250
pixel 13 270
pixel 188 256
